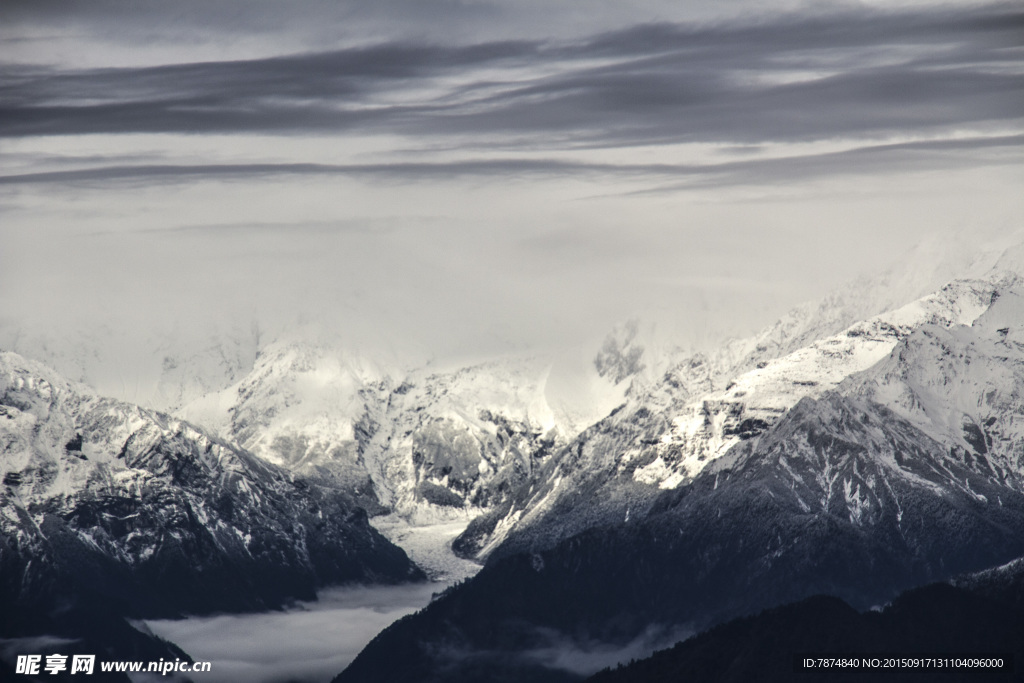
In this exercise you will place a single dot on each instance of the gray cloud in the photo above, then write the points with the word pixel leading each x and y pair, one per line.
pixel 787 78
pixel 866 159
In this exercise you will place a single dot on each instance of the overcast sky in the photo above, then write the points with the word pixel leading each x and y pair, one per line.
pixel 470 176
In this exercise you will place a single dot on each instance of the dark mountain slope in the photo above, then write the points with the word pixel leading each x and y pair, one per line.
pixel 981 616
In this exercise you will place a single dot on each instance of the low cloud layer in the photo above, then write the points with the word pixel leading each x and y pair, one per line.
pixel 310 644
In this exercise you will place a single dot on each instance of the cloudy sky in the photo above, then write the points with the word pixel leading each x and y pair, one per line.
pixel 475 175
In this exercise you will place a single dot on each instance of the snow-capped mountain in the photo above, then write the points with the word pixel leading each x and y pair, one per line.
pixel 901 465
pixel 425 441
pixel 300 407
pixel 708 427
pixel 432 442
pixel 669 432
pixel 960 385
pixel 106 501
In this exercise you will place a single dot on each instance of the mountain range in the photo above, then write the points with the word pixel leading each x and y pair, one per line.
pixel 619 500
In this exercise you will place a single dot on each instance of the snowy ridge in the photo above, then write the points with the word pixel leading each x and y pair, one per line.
pixel 916 274
pixel 960 385
pixel 754 400
pixel 668 434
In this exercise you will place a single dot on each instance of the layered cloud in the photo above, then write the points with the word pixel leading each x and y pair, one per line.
pixel 480 175
pixel 787 78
